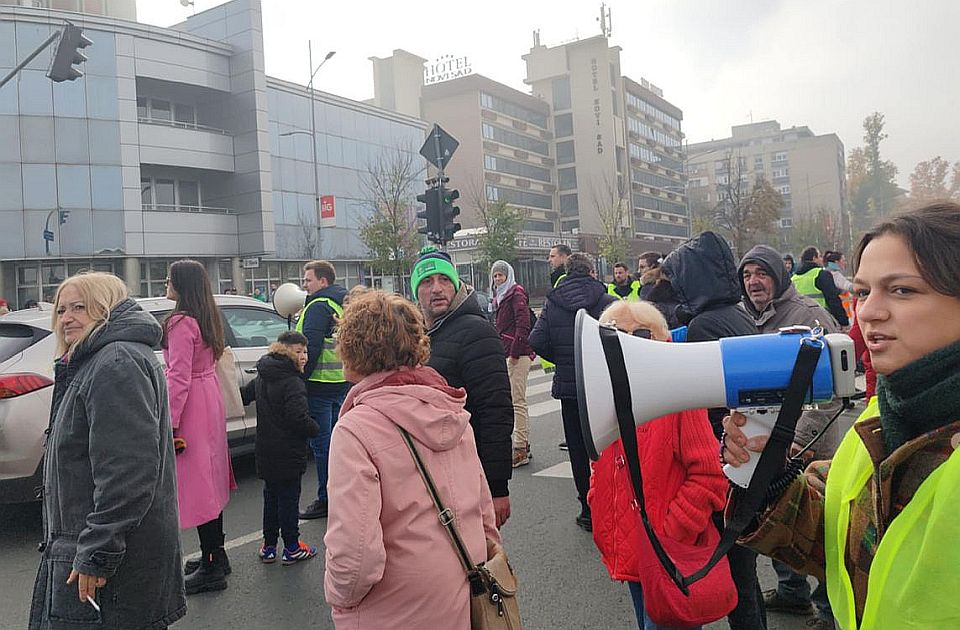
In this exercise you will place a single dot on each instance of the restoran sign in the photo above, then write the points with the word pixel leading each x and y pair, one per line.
pixel 446 68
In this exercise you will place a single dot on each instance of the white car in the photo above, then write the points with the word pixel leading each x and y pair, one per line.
pixel 27 349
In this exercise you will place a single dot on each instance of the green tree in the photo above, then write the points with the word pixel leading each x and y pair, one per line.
pixel 501 223
pixel 871 181
pixel 611 204
pixel 390 233
pixel 823 229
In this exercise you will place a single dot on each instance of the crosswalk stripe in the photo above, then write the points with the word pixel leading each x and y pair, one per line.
pixel 561 470
pixel 543 408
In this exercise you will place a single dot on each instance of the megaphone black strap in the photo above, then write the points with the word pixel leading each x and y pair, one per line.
pixel 770 464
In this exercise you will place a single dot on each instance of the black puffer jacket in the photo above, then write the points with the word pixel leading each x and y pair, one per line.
pixel 552 337
pixel 467 351
pixel 831 294
pixel 283 418
pixel 704 276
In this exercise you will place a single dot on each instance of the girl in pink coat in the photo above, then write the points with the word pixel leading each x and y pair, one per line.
pixel 389 561
pixel 192 343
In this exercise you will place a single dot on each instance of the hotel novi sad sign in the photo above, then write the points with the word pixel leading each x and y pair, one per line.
pixel 445 68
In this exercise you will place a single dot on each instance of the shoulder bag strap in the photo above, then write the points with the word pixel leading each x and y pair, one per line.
pixel 445 514
pixel 768 467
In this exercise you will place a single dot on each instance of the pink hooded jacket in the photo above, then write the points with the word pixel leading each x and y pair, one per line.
pixel 389 561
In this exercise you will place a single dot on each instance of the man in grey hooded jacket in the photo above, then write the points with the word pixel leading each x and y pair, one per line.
pixel 770 298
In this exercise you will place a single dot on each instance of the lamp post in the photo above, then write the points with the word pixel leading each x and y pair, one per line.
pixel 313 129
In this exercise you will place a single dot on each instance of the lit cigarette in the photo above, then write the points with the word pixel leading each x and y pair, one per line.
pixel 93 603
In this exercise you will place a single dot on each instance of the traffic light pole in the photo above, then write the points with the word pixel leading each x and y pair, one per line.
pixel 30 57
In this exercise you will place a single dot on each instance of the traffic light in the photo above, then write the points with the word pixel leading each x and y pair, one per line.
pixel 449 212
pixel 432 213
pixel 68 53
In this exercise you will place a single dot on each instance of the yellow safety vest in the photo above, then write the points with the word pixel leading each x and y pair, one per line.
pixel 806 285
pixel 329 368
pixel 633 296
pixel 916 570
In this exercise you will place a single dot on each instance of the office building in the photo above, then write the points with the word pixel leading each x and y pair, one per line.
pixel 807 169
pixel 176 144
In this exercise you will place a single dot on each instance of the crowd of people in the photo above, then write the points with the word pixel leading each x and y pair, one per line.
pixel 137 451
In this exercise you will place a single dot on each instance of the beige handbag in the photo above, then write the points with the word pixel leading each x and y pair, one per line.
pixel 229 386
pixel 493 584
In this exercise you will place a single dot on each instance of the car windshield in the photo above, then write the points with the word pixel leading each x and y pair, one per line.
pixel 15 338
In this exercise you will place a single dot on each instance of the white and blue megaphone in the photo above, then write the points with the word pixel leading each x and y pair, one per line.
pixel 749 374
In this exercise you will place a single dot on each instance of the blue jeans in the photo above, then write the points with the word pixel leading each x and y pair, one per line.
pixel 643 619
pixel 324 410
pixel 793 586
pixel 281 507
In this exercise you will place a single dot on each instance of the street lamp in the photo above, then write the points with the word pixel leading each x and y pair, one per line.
pixel 313 128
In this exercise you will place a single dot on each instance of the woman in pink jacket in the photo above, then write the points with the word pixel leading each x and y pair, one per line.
pixel 192 343
pixel 389 561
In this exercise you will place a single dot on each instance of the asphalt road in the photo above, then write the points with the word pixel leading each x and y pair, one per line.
pixel 563 582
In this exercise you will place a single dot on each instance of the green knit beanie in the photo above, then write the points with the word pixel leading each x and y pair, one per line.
pixel 431 264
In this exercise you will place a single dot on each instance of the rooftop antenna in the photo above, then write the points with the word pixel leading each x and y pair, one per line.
pixel 606 23
pixel 536 37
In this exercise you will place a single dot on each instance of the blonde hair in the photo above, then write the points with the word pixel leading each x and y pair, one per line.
pixel 100 293
pixel 381 332
pixel 630 316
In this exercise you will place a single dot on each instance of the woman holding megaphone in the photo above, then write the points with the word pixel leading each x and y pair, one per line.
pixel 878 521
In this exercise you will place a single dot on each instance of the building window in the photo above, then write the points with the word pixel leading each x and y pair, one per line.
pixel 513 110
pixel 570 226
pixel 164 192
pixel 780 156
pixel 567 178
pixel 159 110
pixel 786 222
pixel 519 197
pixel 188 194
pixel 513 139
pixel 565 152
pixel 569 207
pixel 511 167
pixel 780 172
pixel 561 93
pixel 563 125
pixel 186 115
pixel 538 226
pixel 758 162
pixel 176 195
pixel 784 190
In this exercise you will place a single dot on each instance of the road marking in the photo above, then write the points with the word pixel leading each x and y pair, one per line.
pixel 539 388
pixel 560 471
pixel 239 542
pixel 544 408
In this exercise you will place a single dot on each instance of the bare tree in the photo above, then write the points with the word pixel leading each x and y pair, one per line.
pixel 390 234
pixel 611 202
pixel 309 236
pixel 746 214
pixel 501 224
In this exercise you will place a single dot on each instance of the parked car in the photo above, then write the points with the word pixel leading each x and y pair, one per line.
pixel 27 348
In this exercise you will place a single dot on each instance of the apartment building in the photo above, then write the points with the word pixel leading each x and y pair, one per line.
pixel 617 141
pixel 175 144
pixel 807 169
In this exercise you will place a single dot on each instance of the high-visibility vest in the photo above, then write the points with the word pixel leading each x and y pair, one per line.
pixel 914 574
pixel 846 298
pixel 806 285
pixel 329 368
pixel 633 296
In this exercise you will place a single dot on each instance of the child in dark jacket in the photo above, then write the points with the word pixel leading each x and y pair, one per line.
pixel 283 427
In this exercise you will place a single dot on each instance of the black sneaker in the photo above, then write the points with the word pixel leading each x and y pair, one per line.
pixel 192 565
pixel 776 602
pixel 317 509
pixel 563 446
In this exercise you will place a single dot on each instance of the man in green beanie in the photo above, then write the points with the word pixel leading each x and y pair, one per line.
pixel 467 351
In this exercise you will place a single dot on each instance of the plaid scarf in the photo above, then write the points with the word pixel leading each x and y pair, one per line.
pixel 920 397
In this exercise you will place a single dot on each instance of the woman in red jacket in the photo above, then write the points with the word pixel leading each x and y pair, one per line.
pixel 683 484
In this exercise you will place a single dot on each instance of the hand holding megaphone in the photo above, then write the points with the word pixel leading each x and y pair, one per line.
pixel 737 445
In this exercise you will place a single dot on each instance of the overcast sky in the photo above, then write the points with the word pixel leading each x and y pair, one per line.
pixel 822 63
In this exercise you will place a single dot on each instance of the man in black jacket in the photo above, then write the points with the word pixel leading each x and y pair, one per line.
pixel 553 339
pixel 811 266
pixel 704 275
pixel 466 350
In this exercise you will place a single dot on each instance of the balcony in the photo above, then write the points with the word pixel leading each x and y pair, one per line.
pixel 160 207
pixel 187 145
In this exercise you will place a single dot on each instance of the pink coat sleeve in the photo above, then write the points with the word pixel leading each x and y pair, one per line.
pixel 704 489
pixel 355 553
pixel 181 337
